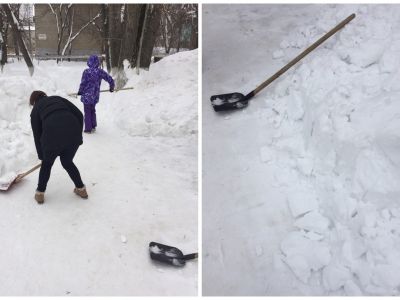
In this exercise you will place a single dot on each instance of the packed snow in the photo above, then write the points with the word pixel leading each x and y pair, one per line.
pixel 140 169
pixel 310 170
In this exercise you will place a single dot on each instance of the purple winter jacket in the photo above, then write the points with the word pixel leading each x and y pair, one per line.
pixel 89 88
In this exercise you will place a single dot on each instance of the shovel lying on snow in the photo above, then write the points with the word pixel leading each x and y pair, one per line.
pixel 169 255
pixel 234 101
pixel 102 91
pixel 6 186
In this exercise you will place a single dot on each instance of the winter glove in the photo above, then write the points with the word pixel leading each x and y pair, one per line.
pixel 111 90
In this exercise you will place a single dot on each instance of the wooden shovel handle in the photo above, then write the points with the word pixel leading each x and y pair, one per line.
pixel 102 91
pixel 22 175
pixel 190 256
pixel 302 55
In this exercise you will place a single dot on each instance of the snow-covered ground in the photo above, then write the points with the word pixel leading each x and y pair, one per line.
pixel 301 189
pixel 140 168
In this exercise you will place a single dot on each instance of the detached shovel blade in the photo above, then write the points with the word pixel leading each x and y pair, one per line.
pixel 169 255
pixel 231 101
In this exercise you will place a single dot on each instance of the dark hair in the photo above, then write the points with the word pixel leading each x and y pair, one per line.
pixel 35 97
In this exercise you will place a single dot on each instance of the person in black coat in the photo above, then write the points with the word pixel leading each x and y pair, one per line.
pixel 57 126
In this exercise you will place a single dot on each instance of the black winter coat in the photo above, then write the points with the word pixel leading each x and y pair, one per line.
pixel 56 124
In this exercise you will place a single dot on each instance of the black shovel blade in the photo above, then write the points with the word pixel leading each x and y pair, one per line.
pixel 166 254
pixel 231 101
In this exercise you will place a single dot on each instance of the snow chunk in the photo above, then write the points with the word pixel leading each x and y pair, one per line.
pixel 123 239
pixel 374 172
pixel 352 289
pixel 301 203
pixel 284 44
pixel 259 250
pixel 352 249
pixel 304 255
pixel 387 276
pixel 295 108
pixel 266 154
pixel 278 54
pixel 313 221
pixel 335 276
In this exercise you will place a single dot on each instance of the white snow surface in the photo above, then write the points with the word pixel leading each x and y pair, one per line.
pixel 310 170
pixel 140 169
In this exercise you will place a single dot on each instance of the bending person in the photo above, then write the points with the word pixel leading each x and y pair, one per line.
pixel 57 130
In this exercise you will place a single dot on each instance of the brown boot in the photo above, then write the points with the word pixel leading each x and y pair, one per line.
pixel 39 197
pixel 81 192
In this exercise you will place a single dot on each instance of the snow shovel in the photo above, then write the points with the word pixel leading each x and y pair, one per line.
pixel 169 255
pixel 234 101
pixel 102 91
pixel 6 186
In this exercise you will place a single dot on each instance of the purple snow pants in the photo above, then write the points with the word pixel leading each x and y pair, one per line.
pixel 90 117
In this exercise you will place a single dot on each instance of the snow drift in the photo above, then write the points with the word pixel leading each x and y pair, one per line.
pixel 337 114
pixel 164 101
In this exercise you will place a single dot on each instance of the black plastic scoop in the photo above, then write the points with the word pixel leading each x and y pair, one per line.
pixel 230 101
pixel 235 101
pixel 169 255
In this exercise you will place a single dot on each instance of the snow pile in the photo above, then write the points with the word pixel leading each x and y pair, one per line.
pixel 164 99
pixel 17 148
pixel 336 151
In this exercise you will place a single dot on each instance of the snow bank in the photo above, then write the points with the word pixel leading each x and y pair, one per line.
pixel 338 112
pixel 164 99
pixel 17 150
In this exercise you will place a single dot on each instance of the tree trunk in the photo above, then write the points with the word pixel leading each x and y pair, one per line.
pixel 17 36
pixel 4 35
pixel 151 27
pixel 116 27
pixel 136 47
pixel 178 44
pixel 115 34
pixel 4 48
pixel 16 48
pixel 121 55
pixel 29 34
pixel 106 40
pixel 132 32
pixel 146 13
pixel 194 40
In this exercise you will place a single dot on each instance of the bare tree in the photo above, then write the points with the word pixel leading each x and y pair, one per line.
pixel 176 19
pixel 4 37
pixel 71 35
pixel 62 14
pixel 193 20
pixel 151 28
pixel 17 36
pixel 168 30
pixel 26 19
pixel 104 29
pixel 117 26
pixel 115 21
pixel 135 17
pixel 65 22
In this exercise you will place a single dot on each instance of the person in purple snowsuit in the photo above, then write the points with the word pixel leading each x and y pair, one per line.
pixel 89 90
